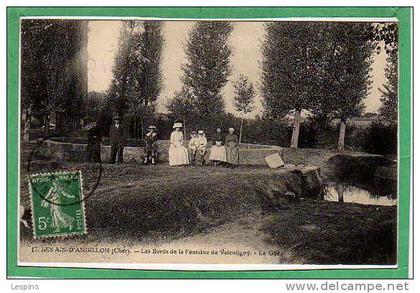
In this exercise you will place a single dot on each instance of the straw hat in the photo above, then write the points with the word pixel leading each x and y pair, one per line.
pixel 177 125
pixel 231 129
pixel 201 132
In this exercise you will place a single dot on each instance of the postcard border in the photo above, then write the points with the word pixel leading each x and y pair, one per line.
pixel 404 16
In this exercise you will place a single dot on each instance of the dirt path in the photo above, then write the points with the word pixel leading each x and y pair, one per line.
pixel 237 242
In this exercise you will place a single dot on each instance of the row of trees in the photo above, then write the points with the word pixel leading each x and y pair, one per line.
pixel 53 79
pixel 322 69
pixel 205 74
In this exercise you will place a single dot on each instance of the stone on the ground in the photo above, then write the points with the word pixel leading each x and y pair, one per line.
pixel 274 161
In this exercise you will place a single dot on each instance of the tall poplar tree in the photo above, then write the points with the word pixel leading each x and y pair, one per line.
pixel 137 80
pixel 346 78
pixel 243 99
pixel 207 68
pixel 53 70
pixel 291 54
pixel 388 34
pixel 389 99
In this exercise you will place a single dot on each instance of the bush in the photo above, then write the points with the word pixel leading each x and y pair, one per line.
pixel 381 139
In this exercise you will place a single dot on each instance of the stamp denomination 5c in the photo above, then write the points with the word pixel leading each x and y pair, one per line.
pixel 57 204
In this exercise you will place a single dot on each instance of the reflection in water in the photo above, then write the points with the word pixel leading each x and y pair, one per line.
pixel 348 193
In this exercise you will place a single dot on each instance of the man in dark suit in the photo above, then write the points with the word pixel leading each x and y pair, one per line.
pixel 117 141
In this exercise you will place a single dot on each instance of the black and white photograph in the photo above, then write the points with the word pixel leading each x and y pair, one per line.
pixel 208 144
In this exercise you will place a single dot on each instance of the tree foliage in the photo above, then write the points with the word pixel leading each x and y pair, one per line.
pixel 244 95
pixel 387 33
pixel 137 78
pixel 53 78
pixel 182 106
pixel 291 54
pixel 243 99
pixel 344 72
pixel 389 107
pixel 207 68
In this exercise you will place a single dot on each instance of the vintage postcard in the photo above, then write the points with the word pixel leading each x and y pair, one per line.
pixel 228 144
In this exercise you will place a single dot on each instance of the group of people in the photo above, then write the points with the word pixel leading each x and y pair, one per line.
pixel 223 151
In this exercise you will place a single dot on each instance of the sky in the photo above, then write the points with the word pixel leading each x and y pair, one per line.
pixel 245 41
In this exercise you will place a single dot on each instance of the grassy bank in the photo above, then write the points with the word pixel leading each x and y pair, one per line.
pixel 321 232
pixel 134 203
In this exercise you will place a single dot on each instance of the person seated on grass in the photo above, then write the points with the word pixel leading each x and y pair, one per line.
pixel 201 146
pixel 192 146
pixel 151 146
pixel 218 151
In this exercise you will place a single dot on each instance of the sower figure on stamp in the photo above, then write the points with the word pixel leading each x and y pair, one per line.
pixel 53 200
pixel 150 147
pixel 117 141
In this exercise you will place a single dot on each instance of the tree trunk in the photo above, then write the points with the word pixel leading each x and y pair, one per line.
pixel 141 125
pixel 240 130
pixel 340 192
pixel 135 130
pixel 296 128
pixel 46 124
pixel 341 135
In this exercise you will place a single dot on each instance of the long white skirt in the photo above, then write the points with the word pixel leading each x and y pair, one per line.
pixel 217 153
pixel 178 156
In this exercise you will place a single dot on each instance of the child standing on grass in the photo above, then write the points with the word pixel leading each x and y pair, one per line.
pixel 150 147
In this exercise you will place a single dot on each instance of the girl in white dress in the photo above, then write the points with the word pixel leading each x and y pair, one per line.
pixel 178 154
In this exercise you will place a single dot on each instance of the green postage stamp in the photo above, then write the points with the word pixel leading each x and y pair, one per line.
pixel 57 204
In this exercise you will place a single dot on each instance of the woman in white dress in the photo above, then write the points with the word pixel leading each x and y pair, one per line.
pixel 178 154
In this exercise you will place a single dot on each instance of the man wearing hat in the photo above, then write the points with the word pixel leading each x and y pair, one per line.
pixel 117 141
pixel 150 147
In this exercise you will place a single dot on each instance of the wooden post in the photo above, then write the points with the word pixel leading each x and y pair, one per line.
pixel 185 127
pixel 240 130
